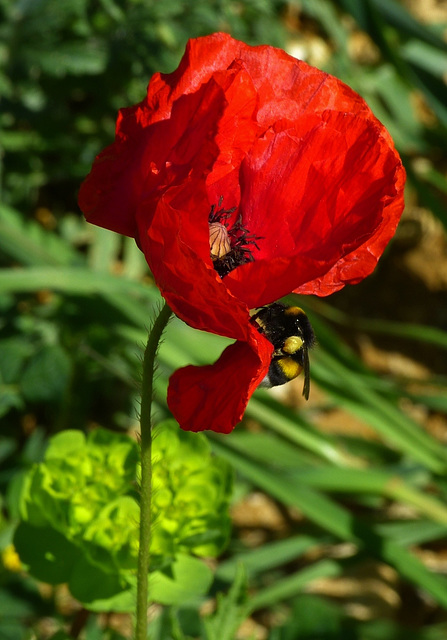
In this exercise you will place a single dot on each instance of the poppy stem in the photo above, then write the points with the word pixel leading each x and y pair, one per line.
pixel 146 469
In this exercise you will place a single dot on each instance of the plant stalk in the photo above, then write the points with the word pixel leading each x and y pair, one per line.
pixel 146 470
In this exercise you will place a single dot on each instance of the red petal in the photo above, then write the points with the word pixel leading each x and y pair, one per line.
pixel 110 194
pixel 215 396
pixel 321 196
pixel 222 95
pixel 177 249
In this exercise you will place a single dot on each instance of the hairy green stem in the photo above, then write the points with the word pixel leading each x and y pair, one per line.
pixel 146 470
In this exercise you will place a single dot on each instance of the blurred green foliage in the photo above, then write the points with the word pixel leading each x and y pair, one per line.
pixel 76 303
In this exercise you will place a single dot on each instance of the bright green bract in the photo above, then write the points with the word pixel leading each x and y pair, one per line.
pixel 80 514
pixel 190 494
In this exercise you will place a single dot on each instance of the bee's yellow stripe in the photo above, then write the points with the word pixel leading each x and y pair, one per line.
pixel 289 367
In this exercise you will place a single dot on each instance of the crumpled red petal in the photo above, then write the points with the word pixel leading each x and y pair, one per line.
pixel 215 396
pixel 327 196
pixel 178 253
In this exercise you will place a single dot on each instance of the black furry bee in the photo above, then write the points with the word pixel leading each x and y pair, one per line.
pixel 290 332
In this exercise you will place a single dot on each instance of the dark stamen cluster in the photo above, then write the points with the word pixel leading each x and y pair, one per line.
pixel 218 213
pixel 241 241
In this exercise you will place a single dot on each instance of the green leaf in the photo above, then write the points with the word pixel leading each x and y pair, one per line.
pixel 269 556
pixel 399 17
pixel 413 532
pixel 49 555
pixel 10 398
pixel 426 57
pixel 231 610
pixel 65 443
pixel 315 617
pixel 16 605
pixel 20 602
pixel 390 630
pixel 381 482
pixel 289 586
pixel 99 590
pixel 7 447
pixel 79 281
pixel 13 629
pixel 47 374
pixel 394 14
pixel 187 580
pixel 30 244
pixel 75 58
pixel 433 402
pixel 13 354
pixel 104 251
pixel 417 332
pixel 271 448
pixel 295 428
pixel 168 626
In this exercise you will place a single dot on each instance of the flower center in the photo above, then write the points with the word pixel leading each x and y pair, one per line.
pixel 230 247
pixel 220 241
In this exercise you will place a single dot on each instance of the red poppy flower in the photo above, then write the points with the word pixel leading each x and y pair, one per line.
pixel 281 167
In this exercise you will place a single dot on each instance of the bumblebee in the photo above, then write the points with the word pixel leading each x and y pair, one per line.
pixel 290 332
